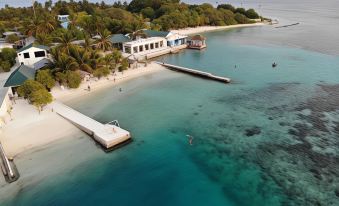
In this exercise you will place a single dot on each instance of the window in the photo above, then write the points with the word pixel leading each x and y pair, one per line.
pixel 146 47
pixel 161 44
pixel 135 49
pixel 152 46
pixel 128 50
pixel 39 54
pixel 26 55
pixel 141 48
pixel 157 45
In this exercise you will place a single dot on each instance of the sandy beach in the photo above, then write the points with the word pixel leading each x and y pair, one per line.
pixel 28 129
pixel 202 29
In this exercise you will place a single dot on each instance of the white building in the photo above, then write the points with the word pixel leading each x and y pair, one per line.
pixel 63 18
pixel 145 46
pixel 31 54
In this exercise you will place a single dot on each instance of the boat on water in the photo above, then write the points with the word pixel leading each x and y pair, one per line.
pixel 274 65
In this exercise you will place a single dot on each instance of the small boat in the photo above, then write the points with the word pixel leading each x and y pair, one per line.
pixel 274 64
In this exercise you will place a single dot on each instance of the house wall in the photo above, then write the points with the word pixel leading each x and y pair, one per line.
pixel 5 103
pixel 144 46
pixel 32 59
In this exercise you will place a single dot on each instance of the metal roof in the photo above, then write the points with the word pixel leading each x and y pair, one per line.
pixel 119 38
pixel 153 33
pixel 19 76
pixel 42 63
pixel 33 45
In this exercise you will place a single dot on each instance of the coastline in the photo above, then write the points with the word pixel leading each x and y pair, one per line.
pixel 29 130
pixel 203 29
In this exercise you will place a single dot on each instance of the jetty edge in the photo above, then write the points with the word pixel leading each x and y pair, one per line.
pixel 107 135
pixel 195 72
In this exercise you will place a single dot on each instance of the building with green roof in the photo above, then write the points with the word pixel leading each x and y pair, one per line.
pixel 20 75
pixel 118 39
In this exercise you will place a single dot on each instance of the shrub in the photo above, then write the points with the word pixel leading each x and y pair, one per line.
pixel 28 87
pixel 45 78
pixel 5 66
pixel 252 14
pixel 73 79
pixel 40 98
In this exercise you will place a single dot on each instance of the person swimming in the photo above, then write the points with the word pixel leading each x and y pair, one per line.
pixel 190 139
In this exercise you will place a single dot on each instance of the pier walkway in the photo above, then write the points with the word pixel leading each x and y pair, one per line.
pixel 8 168
pixel 107 135
pixel 196 72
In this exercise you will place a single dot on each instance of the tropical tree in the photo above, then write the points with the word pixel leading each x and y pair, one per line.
pixel 124 65
pixel 73 79
pixel 28 87
pixel 45 78
pixel 40 98
pixel 47 23
pixel 62 61
pixel 83 59
pixel 65 42
pixel 43 39
pixel 104 42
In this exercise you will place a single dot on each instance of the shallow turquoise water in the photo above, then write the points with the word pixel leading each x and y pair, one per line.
pixel 269 138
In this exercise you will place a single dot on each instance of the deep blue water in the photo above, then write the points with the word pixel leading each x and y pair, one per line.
pixel 268 138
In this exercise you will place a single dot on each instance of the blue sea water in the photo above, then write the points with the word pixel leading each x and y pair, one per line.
pixel 268 138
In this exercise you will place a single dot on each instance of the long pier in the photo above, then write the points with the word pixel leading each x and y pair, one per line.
pixel 108 135
pixel 284 26
pixel 196 72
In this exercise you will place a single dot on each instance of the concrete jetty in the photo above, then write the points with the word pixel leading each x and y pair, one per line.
pixel 196 72
pixel 108 135
pixel 8 168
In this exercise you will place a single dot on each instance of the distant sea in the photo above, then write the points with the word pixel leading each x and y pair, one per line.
pixel 268 138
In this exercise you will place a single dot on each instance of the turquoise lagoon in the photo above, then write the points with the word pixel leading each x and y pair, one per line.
pixel 268 138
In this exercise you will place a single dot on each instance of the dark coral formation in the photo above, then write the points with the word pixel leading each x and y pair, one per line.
pixel 252 131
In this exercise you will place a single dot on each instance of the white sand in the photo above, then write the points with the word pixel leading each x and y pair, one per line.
pixel 67 94
pixel 29 129
pixel 202 29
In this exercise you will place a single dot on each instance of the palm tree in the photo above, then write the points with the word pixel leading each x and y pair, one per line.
pixel 62 62
pixel 88 43
pixel 138 33
pixel 83 59
pixel 33 26
pixel 65 42
pixel 47 24
pixel 43 39
pixel 104 42
pixel 108 61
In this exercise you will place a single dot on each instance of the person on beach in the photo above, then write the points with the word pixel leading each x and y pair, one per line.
pixel 114 131
pixel 89 88
pixel 120 90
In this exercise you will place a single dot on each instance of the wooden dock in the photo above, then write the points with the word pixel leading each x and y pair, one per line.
pixel 196 72
pixel 108 135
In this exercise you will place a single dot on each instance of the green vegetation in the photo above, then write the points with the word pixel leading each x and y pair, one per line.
pixel 100 18
pixel 7 59
pixel 45 78
pixel 73 79
pixel 40 98
pixel 93 24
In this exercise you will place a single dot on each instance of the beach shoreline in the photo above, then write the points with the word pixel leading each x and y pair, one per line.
pixel 30 130
pixel 26 129
pixel 203 29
